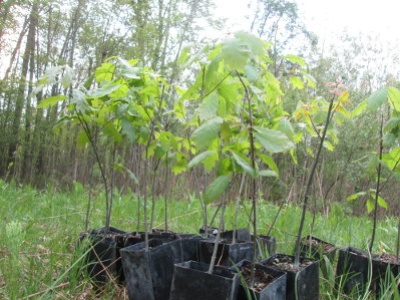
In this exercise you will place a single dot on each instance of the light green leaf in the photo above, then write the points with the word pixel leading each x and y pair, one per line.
pixel 111 131
pixel 208 131
pixel 67 77
pixel 104 90
pixel 132 176
pixel 285 126
pixel 200 158
pixel 355 196
pixel 209 107
pixel 234 53
pixel 128 130
pixel 328 145
pixel 82 139
pixel 51 101
pixel 217 188
pixel 360 108
pixel 267 173
pixel 104 72
pixel 394 98
pixel 382 202
pixel 296 82
pixel 272 140
pixel 245 165
pixel 295 59
pixel 377 99
pixel 251 73
pixel 180 163
pixel 269 161
pixel 252 42
pixel 370 205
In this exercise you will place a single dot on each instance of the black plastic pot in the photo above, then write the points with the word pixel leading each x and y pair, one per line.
pixel 275 280
pixel 302 282
pixel 241 234
pixel 103 259
pixel 266 246
pixel 353 271
pixel 384 266
pixel 227 253
pixel 192 281
pixel 316 248
pixel 148 274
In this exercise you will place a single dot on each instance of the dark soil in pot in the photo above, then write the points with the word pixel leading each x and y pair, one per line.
pixel 316 248
pixel 193 282
pixel 383 266
pixel 302 281
pixel 269 284
pixel 162 234
pixel 227 253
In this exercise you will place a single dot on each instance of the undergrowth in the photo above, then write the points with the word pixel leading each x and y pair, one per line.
pixel 40 229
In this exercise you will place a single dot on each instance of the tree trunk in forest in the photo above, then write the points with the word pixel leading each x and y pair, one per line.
pixel 29 48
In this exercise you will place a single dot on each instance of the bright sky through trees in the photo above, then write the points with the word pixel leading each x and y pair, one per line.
pixel 329 18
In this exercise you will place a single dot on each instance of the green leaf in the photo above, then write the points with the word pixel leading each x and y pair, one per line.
pixel 208 131
pixel 370 205
pixel 355 196
pixel 128 70
pixel 184 55
pixel 180 163
pixel 67 77
pixel 104 90
pixel 82 139
pixel 234 53
pixel 269 161
pixel 267 173
pixel 105 72
pixel 296 82
pixel 128 130
pixel 360 108
pixel 377 99
pixel 132 176
pixel 209 107
pixel 243 163
pixel 111 131
pixel 272 140
pixel 217 188
pixel 394 98
pixel 252 42
pixel 200 158
pixel 51 101
pixel 295 59
pixel 285 126
pixel 328 145
pixel 382 202
pixel 251 73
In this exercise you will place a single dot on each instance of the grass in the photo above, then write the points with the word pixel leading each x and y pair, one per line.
pixel 38 257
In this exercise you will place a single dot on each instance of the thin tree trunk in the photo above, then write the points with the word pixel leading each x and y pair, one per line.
pixel 29 48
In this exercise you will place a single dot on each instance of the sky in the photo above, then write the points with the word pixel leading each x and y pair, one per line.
pixel 329 18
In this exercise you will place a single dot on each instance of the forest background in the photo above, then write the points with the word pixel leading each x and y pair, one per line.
pixel 37 36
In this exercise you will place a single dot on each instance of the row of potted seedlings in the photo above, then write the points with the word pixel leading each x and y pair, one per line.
pixel 176 266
